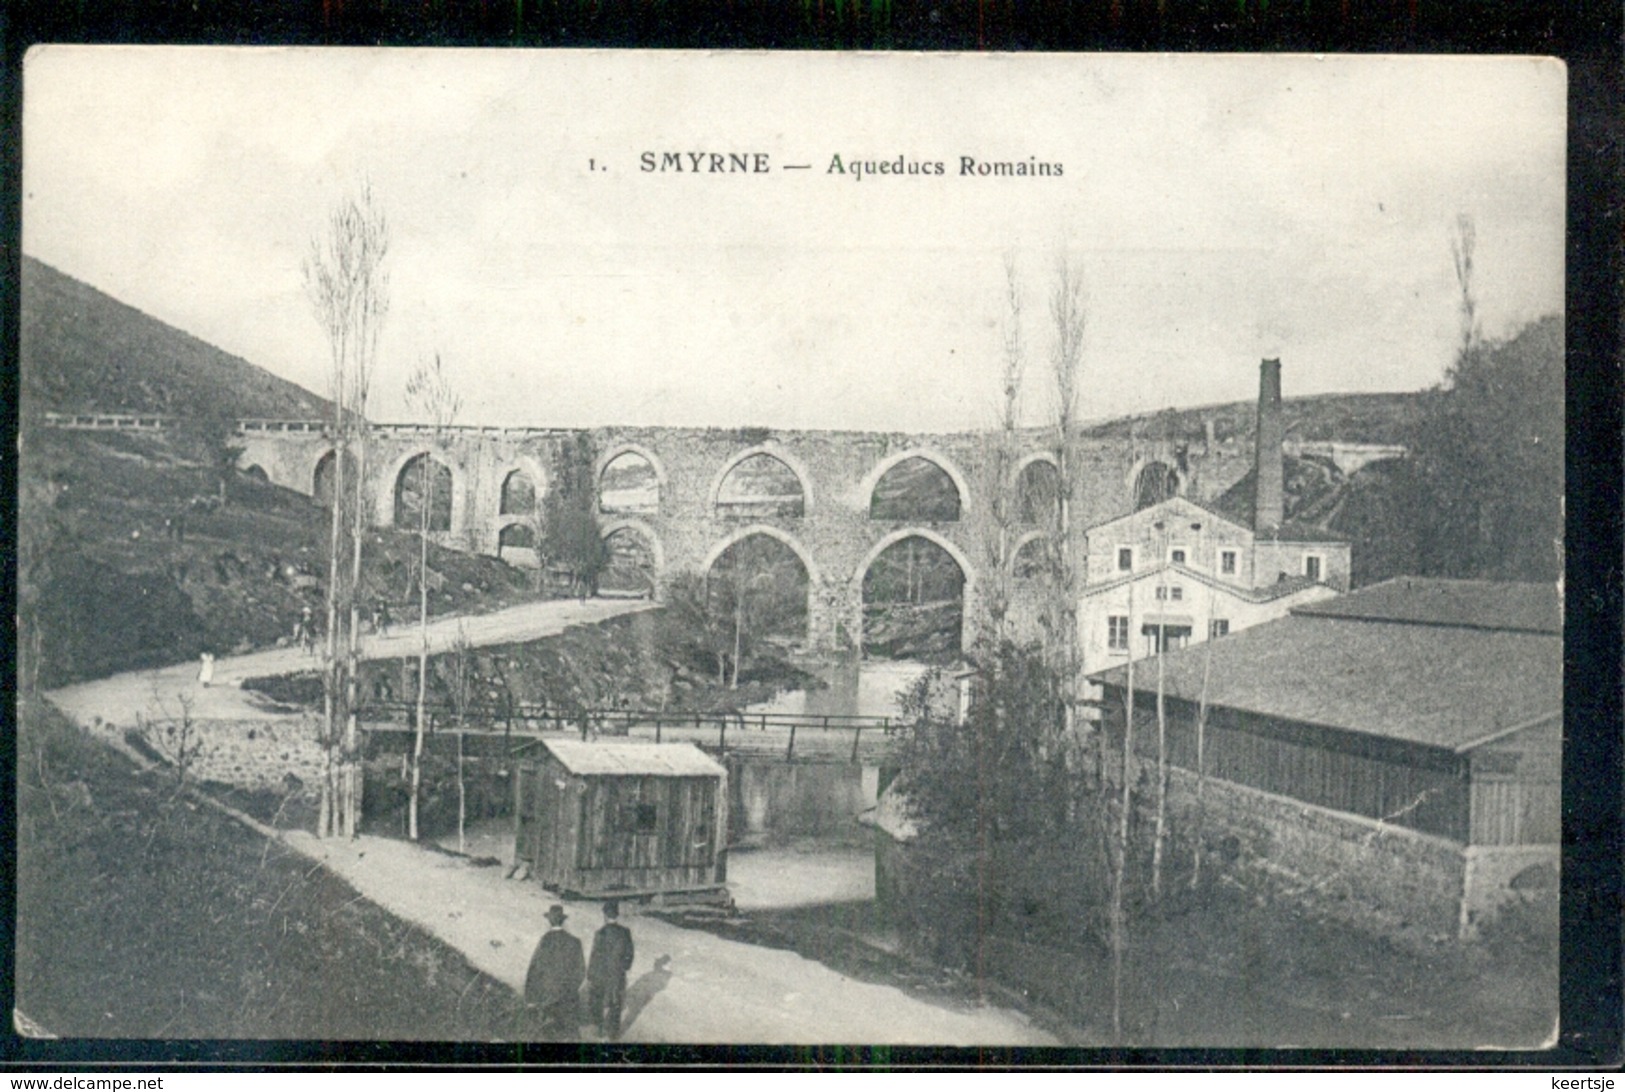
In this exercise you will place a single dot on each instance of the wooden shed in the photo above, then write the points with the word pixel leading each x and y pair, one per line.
pixel 602 819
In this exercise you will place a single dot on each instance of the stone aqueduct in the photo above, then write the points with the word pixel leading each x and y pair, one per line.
pixel 687 529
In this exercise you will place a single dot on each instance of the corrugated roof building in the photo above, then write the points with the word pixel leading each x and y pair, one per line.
pixel 612 819
pixel 1416 705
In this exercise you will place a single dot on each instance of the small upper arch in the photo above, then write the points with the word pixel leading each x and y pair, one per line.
pixel 926 454
pixel 769 451
pixel 619 452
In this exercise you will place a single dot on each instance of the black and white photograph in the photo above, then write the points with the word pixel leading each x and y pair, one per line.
pixel 627 548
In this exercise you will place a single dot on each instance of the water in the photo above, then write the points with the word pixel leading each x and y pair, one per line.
pixel 856 688
pixel 774 803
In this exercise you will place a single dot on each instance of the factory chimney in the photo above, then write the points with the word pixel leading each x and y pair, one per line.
pixel 1267 459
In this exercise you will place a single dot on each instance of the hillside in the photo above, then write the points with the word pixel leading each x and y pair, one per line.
pixel 1351 418
pixel 143 549
pixel 80 350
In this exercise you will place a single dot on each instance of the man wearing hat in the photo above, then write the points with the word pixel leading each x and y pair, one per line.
pixel 553 984
pixel 606 972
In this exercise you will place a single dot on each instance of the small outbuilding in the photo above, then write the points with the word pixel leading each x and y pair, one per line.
pixel 622 819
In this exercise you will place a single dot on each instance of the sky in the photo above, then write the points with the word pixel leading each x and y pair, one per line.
pixel 1221 209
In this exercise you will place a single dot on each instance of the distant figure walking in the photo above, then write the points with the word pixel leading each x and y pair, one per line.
pixel 606 972
pixel 553 984
pixel 305 631
pixel 381 620
pixel 205 671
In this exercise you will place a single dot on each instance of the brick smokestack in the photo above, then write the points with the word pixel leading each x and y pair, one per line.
pixel 1268 473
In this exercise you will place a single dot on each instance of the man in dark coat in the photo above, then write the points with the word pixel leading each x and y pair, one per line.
pixel 553 984
pixel 606 972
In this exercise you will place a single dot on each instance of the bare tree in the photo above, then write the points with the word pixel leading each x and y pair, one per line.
pixel 431 394
pixel 344 274
pixel 1067 312
pixel 1005 502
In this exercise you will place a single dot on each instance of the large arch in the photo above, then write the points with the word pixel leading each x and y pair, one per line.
pixel 721 547
pixel 968 589
pixel 808 565
pixel 391 478
pixel 772 451
pixel 866 490
pixel 615 452
pixel 638 527
pixel 321 475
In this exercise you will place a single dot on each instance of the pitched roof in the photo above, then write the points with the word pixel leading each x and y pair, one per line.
pixel 1444 685
pixel 1265 594
pixel 640 759
pixel 1171 502
pixel 1479 604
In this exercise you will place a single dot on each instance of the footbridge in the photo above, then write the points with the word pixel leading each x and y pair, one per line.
pixel 517 731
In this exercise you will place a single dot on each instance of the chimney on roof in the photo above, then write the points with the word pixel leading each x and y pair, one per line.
pixel 1268 473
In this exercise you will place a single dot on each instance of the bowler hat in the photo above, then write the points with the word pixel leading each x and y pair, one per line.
pixel 555 914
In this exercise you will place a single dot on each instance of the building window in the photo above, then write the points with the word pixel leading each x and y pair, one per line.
pixel 1177 557
pixel 1311 567
pixel 1218 627
pixel 1125 558
pixel 1176 592
pixel 1227 562
pixel 1162 592
pixel 639 818
pixel 1117 632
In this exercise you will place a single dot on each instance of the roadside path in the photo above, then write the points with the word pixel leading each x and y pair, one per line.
pixel 118 699
pixel 686 986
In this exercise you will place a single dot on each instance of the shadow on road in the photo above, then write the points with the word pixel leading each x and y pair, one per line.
pixel 641 992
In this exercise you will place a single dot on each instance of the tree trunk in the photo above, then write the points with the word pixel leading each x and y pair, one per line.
pixel 330 682
pixel 462 794
pixel 1201 751
pixel 1119 927
pixel 426 495
pixel 1162 768
pixel 352 727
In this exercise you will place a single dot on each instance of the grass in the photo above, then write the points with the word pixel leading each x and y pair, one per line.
pixel 142 913
pixel 114 591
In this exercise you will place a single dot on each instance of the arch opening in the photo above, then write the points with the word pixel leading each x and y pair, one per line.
pixel 761 485
pixel 518 495
pixel 917 490
pixel 628 484
pixel 257 474
pixel 630 566
pixel 424 484
pixel 913 602
pixel 516 545
pixel 1038 493
pixel 760 584
pixel 1155 483
pixel 1035 559
pixel 321 486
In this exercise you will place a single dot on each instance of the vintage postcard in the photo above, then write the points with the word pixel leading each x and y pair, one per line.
pixel 696 548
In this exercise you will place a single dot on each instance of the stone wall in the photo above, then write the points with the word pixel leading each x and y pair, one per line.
pixel 1500 877
pixel 1374 875
pixel 260 754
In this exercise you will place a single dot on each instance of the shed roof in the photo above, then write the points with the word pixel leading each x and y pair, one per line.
pixel 1441 685
pixel 633 759
pixel 1479 604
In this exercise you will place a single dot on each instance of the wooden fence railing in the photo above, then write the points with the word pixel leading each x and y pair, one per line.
pixel 747 729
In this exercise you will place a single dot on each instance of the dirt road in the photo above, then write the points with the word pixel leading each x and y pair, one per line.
pixel 686 986
pixel 118 699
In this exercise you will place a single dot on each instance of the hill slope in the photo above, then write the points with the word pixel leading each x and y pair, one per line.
pixel 81 349
pixel 1351 418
